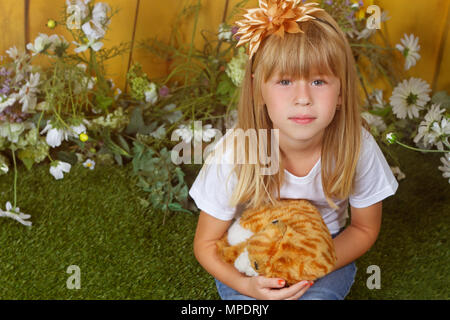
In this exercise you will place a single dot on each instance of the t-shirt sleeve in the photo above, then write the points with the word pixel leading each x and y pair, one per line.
pixel 374 179
pixel 212 189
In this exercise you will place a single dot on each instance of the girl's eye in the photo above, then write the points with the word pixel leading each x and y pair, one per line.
pixel 318 82
pixel 284 82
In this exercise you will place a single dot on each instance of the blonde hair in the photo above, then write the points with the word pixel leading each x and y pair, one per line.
pixel 324 46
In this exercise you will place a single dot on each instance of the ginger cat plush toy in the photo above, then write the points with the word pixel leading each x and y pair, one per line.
pixel 289 241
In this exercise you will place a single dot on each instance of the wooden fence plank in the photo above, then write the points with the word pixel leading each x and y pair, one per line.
pixel 12 25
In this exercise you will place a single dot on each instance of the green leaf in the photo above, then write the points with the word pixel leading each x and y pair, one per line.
pixel 143 202
pixel 118 159
pixel 136 121
pixel 103 102
pixel 69 157
pixel 28 162
pixel 177 207
pixel 381 112
pixel 123 143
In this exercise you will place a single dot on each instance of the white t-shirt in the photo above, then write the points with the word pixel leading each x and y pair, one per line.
pixel 374 182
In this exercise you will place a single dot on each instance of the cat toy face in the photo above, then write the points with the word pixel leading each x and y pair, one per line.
pixel 289 241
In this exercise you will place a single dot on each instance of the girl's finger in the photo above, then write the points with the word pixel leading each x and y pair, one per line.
pixel 272 282
pixel 291 291
pixel 301 292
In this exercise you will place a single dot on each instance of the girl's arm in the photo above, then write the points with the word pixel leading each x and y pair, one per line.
pixel 209 230
pixel 359 236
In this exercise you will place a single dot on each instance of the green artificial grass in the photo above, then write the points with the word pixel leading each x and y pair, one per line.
pixel 92 219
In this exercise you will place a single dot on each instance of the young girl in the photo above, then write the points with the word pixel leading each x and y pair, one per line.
pixel 304 84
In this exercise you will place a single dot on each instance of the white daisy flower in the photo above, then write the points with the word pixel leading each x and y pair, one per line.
pixel 410 49
pixel 57 169
pixel 6 102
pixel 100 13
pixel 27 94
pixel 208 133
pixel 13 130
pixel 159 133
pixel 4 168
pixel 184 132
pixel 90 42
pixel 374 121
pixel 93 30
pixel 55 136
pixel 196 131
pixel 225 33
pixel 59 41
pixel 21 60
pixel 77 130
pixel 14 213
pixel 409 97
pixel 89 164
pixel 13 53
pixel 441 132
pixel 42 42
pixel 424 130
pixel 82 6
pixel 173 116
pixel 151 94
pixel 446 166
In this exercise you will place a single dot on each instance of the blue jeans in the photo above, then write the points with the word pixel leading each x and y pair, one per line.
pixel 333 286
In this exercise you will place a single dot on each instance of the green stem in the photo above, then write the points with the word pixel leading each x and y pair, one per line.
pixel 421 150
pixel 15 177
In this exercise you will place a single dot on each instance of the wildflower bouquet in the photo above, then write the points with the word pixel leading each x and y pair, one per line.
pixel 42 108
pixel 190 106
pixel 412 111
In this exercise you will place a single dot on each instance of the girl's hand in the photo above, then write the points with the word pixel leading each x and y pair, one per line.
pixel 263 288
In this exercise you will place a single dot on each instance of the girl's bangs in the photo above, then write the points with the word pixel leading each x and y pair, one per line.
pixel 301 55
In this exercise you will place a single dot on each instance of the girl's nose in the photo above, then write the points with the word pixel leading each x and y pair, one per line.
pixel 303 101
pixel 302 96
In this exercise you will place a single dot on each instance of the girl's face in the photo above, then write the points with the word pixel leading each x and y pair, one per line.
pixel 301 109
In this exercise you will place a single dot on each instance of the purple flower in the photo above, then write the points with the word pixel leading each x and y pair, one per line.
pixel 234 29
pixel 4 90
pixel 164 91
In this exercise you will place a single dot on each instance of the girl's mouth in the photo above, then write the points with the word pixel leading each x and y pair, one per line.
pixel 302 120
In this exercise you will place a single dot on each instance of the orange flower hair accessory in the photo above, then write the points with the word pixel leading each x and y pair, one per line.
pixel 272 17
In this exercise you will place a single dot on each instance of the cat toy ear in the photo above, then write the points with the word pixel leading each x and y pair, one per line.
pixel 274 221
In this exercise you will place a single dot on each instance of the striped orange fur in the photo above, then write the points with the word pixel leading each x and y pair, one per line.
pixel 290 241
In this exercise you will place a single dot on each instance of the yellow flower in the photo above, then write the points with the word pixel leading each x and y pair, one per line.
pixel 84 137
pixel 51 23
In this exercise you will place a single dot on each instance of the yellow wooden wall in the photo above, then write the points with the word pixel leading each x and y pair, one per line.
pixel 23 20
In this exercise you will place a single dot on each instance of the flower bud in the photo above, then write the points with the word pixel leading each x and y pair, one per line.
pixel 391 137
